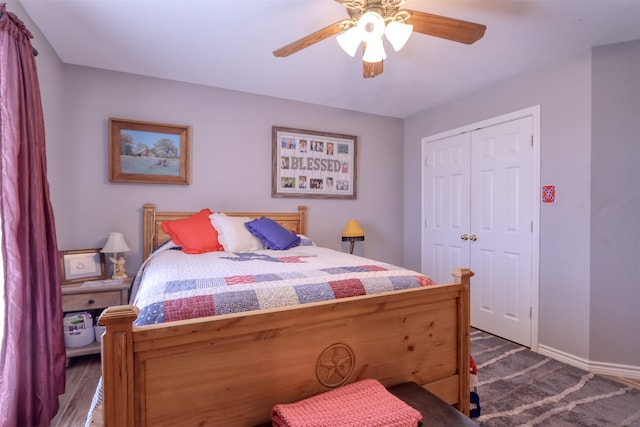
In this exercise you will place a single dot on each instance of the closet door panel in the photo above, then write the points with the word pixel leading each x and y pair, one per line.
pixel 501 206
pixel 445 207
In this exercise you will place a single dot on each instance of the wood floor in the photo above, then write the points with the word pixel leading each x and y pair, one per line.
pixel 83 374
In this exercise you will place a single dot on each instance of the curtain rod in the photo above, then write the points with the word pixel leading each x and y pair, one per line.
pixel 35 51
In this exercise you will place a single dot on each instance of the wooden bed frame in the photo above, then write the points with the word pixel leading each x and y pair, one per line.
pixel 232 369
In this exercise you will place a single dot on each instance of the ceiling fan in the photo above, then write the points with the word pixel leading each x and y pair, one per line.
pixel 370 20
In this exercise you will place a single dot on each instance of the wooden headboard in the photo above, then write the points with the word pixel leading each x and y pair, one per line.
pixel 153 236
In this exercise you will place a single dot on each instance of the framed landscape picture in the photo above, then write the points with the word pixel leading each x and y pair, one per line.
pixel 146 152
pixel 313 164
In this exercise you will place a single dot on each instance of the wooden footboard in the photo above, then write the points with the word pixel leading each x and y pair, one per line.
pixel 232 369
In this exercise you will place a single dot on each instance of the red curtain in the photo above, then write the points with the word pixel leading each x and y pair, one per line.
pixel 32 355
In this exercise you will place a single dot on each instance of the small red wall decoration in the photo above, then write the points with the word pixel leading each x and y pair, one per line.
pixel 548 194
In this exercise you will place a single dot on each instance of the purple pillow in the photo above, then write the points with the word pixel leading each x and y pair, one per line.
pixel 272 234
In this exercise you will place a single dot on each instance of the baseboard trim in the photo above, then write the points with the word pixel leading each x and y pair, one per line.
pixel 601 368
pixel 624 371
pixel 563 357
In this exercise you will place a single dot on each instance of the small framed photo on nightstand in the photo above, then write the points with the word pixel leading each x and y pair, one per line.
pixel 82 265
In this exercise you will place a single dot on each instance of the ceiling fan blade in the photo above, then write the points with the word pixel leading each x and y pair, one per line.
pixel 446 28
pixel 372 69
pixel 313 38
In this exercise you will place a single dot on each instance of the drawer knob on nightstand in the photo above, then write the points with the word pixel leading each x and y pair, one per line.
pixel 91 301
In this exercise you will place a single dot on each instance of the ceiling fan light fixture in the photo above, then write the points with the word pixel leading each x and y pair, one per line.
pixel 371 26
pixel 350 40
pixel 398 34
pixel 376 19
pixel 374 51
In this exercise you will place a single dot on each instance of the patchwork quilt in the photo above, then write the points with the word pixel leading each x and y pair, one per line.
pixel 172 285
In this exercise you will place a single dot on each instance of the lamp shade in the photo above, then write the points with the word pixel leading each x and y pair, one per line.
pixel 350 40
pixel 398 34
pixel 371 26
pixel 374 51
pixel 115 244
pixel 352 231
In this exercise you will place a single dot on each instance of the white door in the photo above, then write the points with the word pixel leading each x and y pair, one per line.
pixel 446 207
pixel 478 197
pixel 501 233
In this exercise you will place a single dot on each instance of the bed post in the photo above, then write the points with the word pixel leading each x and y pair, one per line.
pixel 117 365
pixel 302 225
pixel 148 228
pixel 463 276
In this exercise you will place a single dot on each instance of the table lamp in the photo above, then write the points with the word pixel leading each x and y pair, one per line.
pixel 352 233
pixel 115 245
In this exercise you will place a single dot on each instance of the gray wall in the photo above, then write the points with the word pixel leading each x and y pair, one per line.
pixel 231 162
pixel 590 238
pixel 615 204
pixel 563 91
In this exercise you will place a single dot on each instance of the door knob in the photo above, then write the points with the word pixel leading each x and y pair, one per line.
pixel 464 237
pixel 473 237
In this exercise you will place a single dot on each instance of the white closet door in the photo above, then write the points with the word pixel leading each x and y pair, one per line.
pixel 446 207
pixel 501 240
pixel 478 196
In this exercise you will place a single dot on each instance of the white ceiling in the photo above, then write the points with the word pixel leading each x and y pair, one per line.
pixel 229 44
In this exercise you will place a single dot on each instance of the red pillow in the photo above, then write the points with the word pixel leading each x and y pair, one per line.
pixel 195 234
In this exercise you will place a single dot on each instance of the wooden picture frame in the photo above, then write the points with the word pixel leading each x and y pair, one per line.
pixel 82 265
pixel 150 153
pixel 313 164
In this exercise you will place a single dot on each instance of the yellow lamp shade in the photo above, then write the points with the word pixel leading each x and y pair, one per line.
pixel 353 230
pixel 352 233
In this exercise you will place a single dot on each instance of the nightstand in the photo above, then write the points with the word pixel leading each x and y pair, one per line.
pixel 93 299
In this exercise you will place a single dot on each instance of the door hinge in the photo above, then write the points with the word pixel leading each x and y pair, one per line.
pixel 530 312
pixel 532 226
pixel 532 140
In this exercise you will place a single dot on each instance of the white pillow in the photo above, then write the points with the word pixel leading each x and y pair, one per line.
pixel 232 233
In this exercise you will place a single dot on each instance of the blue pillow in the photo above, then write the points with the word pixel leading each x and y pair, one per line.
pixel 272 234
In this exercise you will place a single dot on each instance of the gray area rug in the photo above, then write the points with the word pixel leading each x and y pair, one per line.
pixel 518 387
